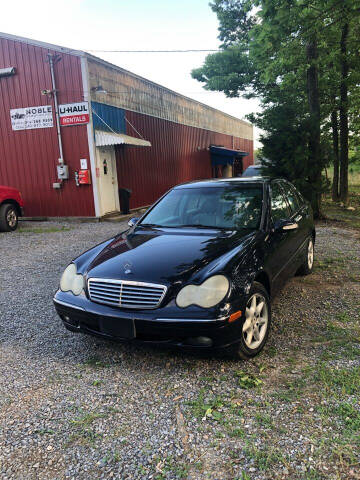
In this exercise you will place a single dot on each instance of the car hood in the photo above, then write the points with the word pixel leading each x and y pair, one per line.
pixel 169 255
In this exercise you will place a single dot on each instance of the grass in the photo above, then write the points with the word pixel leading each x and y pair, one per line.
pixel 343 420
pixel 341 338
pixel 328 263
pixel 83 433
pixel 337 212
pixel 86 419
pixel 339 381
pixel 247 380
pixel 350 416
pixel 264 420
pixel 202 408
pixel 170 468
pixel 264 458
pixel 97 383
pixel 237 433
pixel 96 362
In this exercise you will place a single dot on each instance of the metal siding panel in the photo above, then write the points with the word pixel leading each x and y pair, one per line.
pixel 28 158
pixel 113 116
pixel 178 154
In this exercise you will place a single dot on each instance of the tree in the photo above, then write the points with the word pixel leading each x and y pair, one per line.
pixel 335 142
pixel 287 52
pixel 344 122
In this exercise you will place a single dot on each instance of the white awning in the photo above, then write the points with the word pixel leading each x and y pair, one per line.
pixel 103 139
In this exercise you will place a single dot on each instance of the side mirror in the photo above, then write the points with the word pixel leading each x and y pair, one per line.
pixel 133 221
pixel 285 225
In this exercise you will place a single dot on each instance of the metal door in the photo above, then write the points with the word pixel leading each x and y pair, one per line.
pixel 107 177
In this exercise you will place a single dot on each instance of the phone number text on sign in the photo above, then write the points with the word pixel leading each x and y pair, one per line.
pixel 28 118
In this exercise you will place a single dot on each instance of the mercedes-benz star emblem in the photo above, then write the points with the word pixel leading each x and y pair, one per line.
pixel 127 268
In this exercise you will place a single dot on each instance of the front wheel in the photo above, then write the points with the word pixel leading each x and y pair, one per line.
pixel 8 218
pixel 255 329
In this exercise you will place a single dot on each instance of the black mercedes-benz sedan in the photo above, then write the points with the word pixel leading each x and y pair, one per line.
pixel 197 270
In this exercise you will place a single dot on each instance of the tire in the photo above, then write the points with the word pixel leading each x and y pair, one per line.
pixel 9 218
pixel 249 346
pixel 307 267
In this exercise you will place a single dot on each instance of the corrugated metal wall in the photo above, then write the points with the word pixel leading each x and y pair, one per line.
pixel 178 154
pixel 246 146
pixel 28 158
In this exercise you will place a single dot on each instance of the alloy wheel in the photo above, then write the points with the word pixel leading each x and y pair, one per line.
pixel 310 255
pixel 256 321
pixel 11 218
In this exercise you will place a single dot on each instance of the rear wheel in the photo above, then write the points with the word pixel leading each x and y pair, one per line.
pixel 8 218
pixel 307 267
pixel 255 329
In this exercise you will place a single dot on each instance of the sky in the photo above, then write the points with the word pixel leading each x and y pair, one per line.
pixel 92 25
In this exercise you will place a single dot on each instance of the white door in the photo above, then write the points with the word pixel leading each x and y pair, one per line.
pixel 107 180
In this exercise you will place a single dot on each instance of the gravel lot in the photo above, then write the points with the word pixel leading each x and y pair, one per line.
pixel 76 407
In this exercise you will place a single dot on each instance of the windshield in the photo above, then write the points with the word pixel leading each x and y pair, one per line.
pixel 224 207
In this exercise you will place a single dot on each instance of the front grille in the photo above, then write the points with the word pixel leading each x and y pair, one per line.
pixel 126 294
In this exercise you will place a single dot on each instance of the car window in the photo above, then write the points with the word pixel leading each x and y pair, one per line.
pixel 291 196
pixel 226 207
pixel 252 171
pixel 298 194
pixel 279 207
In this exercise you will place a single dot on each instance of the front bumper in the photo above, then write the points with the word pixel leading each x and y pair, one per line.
pixel 79 314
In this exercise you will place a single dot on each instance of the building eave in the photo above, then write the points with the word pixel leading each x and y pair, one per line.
pixel 89 56
pixel 38 43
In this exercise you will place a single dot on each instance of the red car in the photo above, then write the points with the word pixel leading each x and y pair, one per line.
pixel 11 208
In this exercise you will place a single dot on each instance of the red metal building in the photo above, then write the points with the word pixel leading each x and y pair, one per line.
pixel 75 128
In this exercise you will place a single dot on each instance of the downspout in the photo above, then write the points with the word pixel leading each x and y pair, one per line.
pixel 54 91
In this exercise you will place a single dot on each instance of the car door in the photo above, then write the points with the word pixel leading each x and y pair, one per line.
pixel 279 243
pixel 300 215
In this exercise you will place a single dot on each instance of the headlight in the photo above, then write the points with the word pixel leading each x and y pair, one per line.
pixel 71 281
pixel 206 295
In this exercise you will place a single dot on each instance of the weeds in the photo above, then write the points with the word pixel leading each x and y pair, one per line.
pixel 95 362
pixel 247 380
pixel 264 458
pixel 339 381
pixel 202 408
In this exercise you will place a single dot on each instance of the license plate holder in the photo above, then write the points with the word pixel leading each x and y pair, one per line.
pixel 118 327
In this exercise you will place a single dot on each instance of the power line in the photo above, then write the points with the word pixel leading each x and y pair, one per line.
pixel 155 51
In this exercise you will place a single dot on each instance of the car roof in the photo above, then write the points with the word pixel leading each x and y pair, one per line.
pixel 216 182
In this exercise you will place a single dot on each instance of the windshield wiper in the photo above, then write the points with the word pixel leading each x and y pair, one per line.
pixel 150 225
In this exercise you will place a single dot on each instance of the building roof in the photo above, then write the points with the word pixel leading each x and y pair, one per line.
pixel 81 53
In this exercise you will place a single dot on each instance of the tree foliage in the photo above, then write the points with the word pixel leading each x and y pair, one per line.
pixel 288 53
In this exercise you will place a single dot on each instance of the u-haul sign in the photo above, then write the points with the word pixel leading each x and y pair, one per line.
pixel 74 113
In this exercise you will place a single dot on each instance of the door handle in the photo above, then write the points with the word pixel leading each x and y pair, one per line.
pixel 291 226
